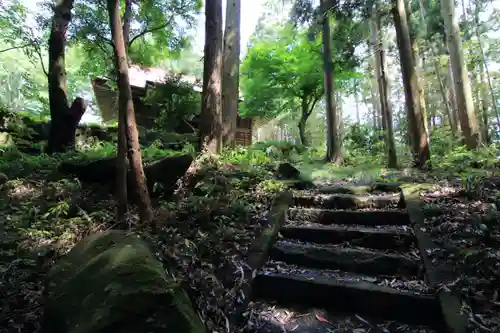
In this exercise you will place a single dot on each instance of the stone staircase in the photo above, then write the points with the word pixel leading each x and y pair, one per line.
pixel 350 254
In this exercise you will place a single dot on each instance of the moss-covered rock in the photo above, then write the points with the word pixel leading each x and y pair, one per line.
pixel 112 282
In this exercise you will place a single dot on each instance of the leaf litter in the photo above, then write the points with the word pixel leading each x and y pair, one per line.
pixel 402 284
pixel 205 232
pixel 264 317
pixel 463 220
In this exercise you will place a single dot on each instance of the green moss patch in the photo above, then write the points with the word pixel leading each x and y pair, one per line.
pixel 112 282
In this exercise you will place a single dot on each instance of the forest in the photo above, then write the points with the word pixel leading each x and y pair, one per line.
pixel 335 171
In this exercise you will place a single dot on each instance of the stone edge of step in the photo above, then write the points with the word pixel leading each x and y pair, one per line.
pixel 455 320
pixel 259 249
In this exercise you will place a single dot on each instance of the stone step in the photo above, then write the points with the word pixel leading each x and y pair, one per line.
pixel 368 218
pixel 360 189
pixel 380 237
pixel 348 201
pixel 356 260
pixel 349 296
pixel 267 317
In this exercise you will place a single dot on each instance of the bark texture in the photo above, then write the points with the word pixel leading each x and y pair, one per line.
pixel 127 116
pixel 383 90
pixel 333 153
pixel 64 118
pixel 211 104
pixel 231 71
pixel 452 98
pixel 463 89
pixel 416 117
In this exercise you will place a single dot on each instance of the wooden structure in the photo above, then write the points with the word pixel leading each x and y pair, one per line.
pixel 140 81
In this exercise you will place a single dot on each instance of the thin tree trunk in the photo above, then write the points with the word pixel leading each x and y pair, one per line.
pixel 340 117
pixel 391 146
pixel 333 153
pixel 64 118
pixel 419 70
pixel 126 110
pixel 485 71
pixel 121 170
pixel 482 95
pixel 437 69
pixel 384 89
pixel 419 139
pixel 447 108
pixel 356 100
pixel 127 21
pixel 231 71
pixel 453 98
pixel 211 115
pixel 375 96
pixel 460 77
pixel 375 99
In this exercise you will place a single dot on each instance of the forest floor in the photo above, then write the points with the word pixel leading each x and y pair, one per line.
pixel 205 230
pixel 42 215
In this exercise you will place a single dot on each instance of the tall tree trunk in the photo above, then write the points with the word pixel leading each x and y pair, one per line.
pixel 211 105
pixel 127 22
pixel 383 89
pixel 126 110
pixel 418 134
pixel 308 103
pixel 485 73
pixel 462 84
pixel 340 117
pixel 374 95
pixel 403 132
pixel 482 95
pixel 231 71
pixel 419 70
pixel 389 135
pixel 446 104
pixel 333 152
pixel 64 118
pixel 356 100
pixel 302 132
pixel 453 97
pixel 437 69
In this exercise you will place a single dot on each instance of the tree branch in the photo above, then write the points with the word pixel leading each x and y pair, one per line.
pixel 15 48
pixel 150 30
pixel 39 53
pixel 316 99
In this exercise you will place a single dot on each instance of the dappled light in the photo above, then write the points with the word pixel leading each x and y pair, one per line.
pixel 304 166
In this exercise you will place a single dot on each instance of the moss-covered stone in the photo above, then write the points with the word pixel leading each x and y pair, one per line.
pixel 112 282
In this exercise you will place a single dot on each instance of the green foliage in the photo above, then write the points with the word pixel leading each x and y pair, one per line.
pixel 362 145
pixel 461 161
pixel 177 100
pixel 158 29
pixel 17 164
pixel 18 32
pixel 246 158
pixel 276 74
pixel 282 73
pixel 272 186
pixel 282 147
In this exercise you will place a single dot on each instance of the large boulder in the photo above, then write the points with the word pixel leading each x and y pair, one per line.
pixel 111 282
pixel 165 172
